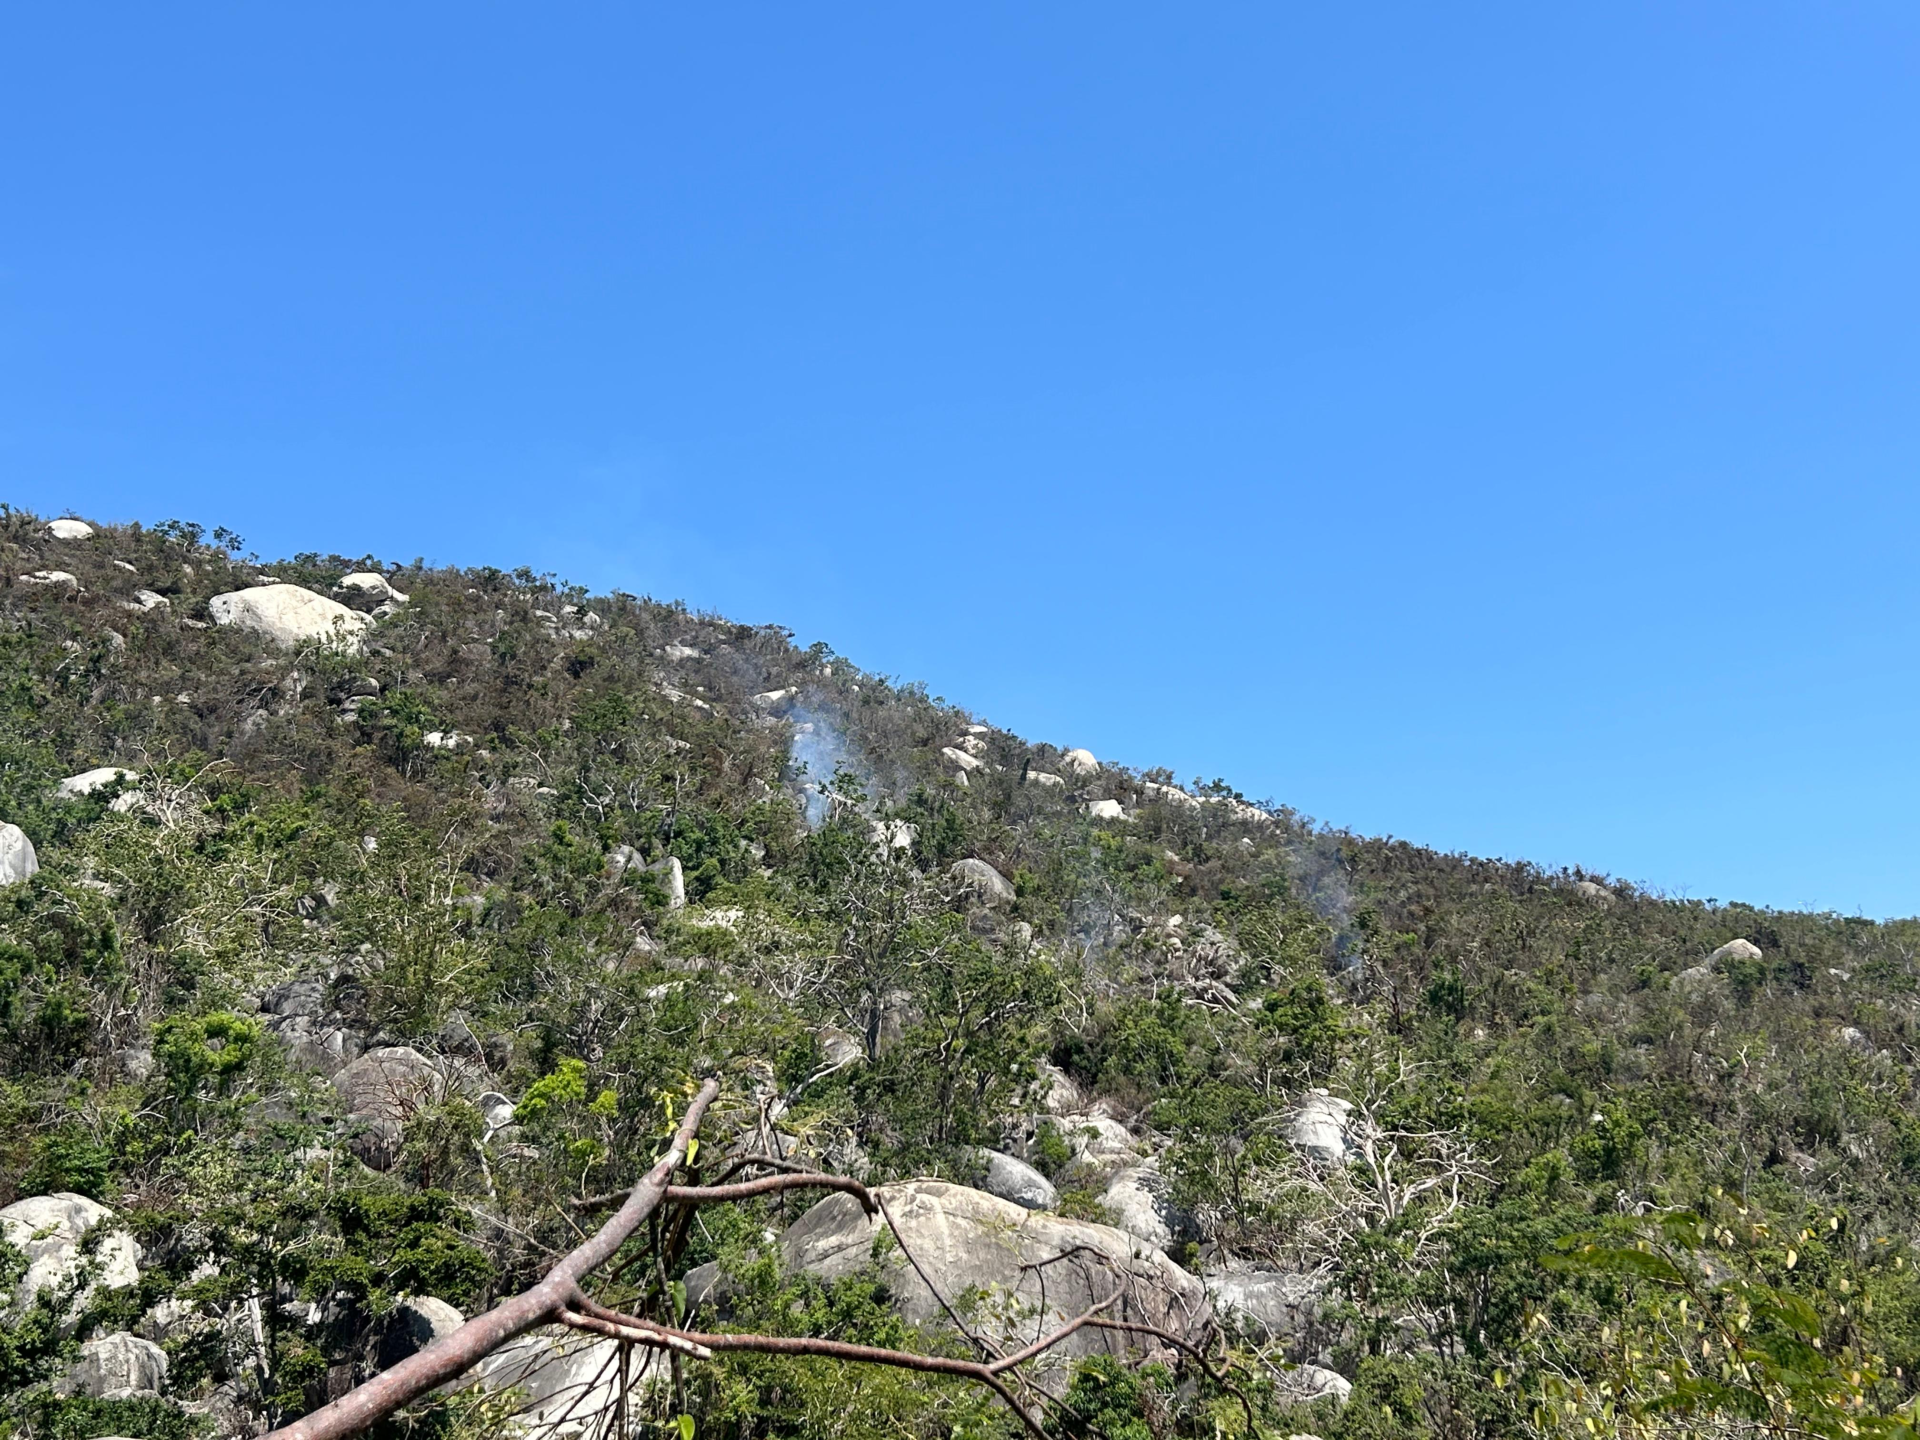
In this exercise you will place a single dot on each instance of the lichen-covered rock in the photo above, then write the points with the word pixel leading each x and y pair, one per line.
pixel 291 615
pixel 566 1384
pixel 1137 1200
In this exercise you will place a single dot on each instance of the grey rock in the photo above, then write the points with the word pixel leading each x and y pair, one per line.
pixel 304 996
pixel 970 1242
pixel 395 1080
pixel 1015 1180
pixel 415 1324
pixel 986 882
pixel 1271 1303
pixel 116 1367
pixel 839 1047
pixel 567 1385
pixel 1318 1127
pixel 1594 893
pixel 496 1109
pixel 1699 979
pixel 1058 1094
pixel 1137 1199
pixel 1304 1384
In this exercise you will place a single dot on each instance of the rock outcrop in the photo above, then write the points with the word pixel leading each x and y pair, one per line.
pixel 291 615
pixel 1080 762
pixel 70 530
pixel 1734 950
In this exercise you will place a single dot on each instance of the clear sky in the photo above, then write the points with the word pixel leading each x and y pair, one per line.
pixel 1495 425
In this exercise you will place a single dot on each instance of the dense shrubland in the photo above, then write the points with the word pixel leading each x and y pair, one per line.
pixel 460 842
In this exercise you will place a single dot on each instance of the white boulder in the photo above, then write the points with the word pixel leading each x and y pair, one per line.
pixel 48 1229
pixel 1015 1180
pixel 961 758
pixel 116 1367
pixel 1106 810
pixel 1318 1127
pixel 1046 778
pixel 1033 1271
pixel 292 615
pixel 681 652
pixel 1080 762
pixel 1735 950
pixel 148 600
pixel 371 582
pixel 985 881
pixel 70 530
pixel 445 739
pixel 51 577
pixel 88 781
pixel 17 860
pixel 1594 893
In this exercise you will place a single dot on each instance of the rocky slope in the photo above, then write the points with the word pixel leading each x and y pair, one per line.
pixel 358 919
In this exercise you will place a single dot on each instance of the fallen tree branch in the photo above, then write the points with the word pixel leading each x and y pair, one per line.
pixel 453 1355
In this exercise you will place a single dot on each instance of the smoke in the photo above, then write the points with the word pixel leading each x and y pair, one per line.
pixel 819 750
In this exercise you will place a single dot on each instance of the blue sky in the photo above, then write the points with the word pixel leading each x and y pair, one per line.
pixel 1495 427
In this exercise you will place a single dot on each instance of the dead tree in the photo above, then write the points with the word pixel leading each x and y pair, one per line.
pixel 559 1299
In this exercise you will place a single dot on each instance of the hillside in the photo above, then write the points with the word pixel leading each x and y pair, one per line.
pixel 369 937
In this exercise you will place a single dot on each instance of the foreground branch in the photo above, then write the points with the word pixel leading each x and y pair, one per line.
pixel 452 1356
